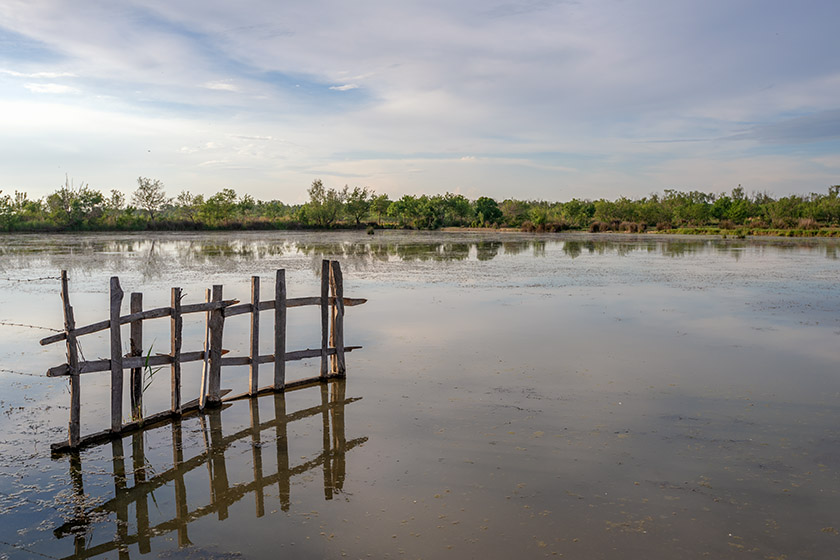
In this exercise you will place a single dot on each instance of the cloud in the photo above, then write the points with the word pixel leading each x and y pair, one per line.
pixel 51 88
pixel 345 87
pixel 816 127
pixel 546 96
pixel 221 86
pixel 38 75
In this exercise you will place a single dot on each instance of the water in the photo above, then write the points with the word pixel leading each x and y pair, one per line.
pixel 585 396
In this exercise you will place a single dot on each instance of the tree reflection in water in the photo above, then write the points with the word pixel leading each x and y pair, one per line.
pixel 145 481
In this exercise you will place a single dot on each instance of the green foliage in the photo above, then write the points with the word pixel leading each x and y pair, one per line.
pixel 379 205
pixel 149 196
pixel 324 206
pixel 73 208
pixel 487 211
pixel 219 208
pixel 406 210
pixel 85 208
pixel 357 203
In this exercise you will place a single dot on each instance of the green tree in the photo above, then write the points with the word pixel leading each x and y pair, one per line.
pixel 75 208
pixel 514 212
pixel 357 203
pixel 149 196
pixel 114 205
pixel 7 212
pixel 406 210
pixel 219 208
pixel 325 205
pixel 188 206
pixel 487 211
pixel 456 209
pixel 380 205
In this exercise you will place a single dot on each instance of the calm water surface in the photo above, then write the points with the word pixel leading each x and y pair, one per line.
pixel 583 396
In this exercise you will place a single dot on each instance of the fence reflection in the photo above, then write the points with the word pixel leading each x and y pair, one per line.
pixel 260 435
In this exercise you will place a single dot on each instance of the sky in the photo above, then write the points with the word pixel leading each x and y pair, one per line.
pixel 534 99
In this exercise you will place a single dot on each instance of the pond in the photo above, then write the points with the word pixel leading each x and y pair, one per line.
pixel 575 395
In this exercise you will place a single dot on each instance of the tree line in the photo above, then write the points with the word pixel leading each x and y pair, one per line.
pixel 82 208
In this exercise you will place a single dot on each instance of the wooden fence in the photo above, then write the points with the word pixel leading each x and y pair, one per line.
pixel 217 309
pixel 131 493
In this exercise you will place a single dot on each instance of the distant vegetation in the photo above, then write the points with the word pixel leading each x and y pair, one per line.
pixel 72 208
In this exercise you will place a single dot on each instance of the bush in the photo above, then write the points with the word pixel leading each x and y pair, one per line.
pixel 808 223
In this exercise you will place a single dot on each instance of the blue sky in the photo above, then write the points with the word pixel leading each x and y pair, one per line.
pixel 538 99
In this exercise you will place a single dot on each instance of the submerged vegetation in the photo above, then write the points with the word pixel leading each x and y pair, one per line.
pixel 735 214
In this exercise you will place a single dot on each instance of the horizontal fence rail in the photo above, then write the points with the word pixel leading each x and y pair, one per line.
pixel 216 309
pixel 135 482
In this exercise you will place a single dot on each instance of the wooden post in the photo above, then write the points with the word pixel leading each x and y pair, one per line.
pixel 78 482
pixel 138 456
pixel 325 314
pixel 219 480
pixel 256 456
pixel 116 356
pixel 205 371
pixel 255 336
pixel 181 509
pixel 326 441
pixel 214 380
pixel 176 328
pixel 339 438
pixel 73 362
pixel 339 366
pixel 121 507
pixel 284 475
pixel 280 330
pixel 136 346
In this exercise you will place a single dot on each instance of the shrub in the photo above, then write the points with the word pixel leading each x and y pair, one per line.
pixel 808 223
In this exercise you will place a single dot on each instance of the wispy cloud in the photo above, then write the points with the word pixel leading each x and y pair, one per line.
pixel 37 75
pixel 58 89
pixel 222 86
pixel 815 127
pixel 345 87
pixel 552 99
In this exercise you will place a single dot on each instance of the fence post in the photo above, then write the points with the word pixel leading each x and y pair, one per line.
pixel 73 362
pixel 326 440
pixel 255 336
pixel 136 346
pixel 217 322
pixel 256 458
pixel 141 506
pixel 339 366
pixel 177 327
pixel 118 461
pixel 284 484
pixel 280 330
pixel 325 314
pixel 116 356
pixel 181 508
pixel 205 368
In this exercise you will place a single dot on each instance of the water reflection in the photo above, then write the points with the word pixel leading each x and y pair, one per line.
pixel 134 489
pixel 160 252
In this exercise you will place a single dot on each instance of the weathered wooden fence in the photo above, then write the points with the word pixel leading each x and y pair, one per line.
pixel 217 310
pixel 137 489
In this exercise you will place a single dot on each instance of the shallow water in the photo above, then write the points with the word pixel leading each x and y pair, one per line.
pixel 585 396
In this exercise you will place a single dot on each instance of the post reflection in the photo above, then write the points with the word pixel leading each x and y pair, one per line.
pixel 132 490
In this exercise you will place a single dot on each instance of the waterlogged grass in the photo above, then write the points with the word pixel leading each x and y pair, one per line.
pixel 741 233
